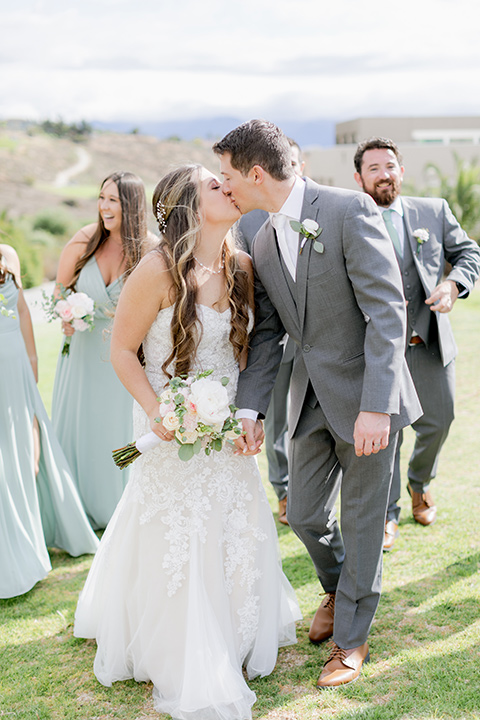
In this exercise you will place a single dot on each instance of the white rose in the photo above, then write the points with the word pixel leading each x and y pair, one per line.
pixel 187 437
pixel 81 304
pixel 310 226
pixel 171 421
pixel 211 400
pixel 421 234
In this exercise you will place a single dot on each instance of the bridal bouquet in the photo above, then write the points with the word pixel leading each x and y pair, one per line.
pixel 196 408
pixel 76 308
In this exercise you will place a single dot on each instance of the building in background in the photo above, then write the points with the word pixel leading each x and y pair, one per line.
pixel 421 140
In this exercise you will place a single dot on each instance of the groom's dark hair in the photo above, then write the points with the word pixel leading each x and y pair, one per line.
pixel 258 142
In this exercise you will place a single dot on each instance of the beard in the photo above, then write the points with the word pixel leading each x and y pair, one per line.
pixel 386 195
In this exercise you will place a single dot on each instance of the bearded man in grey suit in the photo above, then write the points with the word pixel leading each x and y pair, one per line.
pixel 425 234
pixel 335 290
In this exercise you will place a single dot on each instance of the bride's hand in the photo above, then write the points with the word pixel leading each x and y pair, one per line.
pixel 249 443
pixel 159 429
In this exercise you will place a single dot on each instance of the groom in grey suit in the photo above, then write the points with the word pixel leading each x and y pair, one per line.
pixel 332 283
pixel 425 234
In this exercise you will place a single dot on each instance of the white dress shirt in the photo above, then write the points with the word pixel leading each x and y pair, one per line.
pixel 288 244
pixel 286 236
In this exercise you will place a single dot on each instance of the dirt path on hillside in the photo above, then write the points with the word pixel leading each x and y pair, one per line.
pixel 64 177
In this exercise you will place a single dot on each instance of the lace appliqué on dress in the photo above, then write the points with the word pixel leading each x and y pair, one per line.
pixel 185 495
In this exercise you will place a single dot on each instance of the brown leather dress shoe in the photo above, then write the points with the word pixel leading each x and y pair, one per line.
pixel 282 511
pixel 391 534
pixel 423 507
pixel 322 624
pixel 343 666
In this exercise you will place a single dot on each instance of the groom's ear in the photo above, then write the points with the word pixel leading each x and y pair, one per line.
pixel 257 174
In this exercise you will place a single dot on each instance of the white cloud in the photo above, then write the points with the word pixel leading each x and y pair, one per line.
pixel 115 59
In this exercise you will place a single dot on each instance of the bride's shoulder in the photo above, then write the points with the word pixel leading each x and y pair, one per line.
pixel 151 275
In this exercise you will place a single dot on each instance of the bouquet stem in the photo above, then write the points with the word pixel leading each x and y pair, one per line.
pixel 66 346
pixel 125 455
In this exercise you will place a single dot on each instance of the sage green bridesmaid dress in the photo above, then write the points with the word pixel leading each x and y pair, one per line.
pixel 91 410
pixel 35 511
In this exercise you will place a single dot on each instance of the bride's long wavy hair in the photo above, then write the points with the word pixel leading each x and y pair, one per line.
pixel 176 206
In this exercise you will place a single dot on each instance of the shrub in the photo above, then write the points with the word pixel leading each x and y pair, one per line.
pixel 31 263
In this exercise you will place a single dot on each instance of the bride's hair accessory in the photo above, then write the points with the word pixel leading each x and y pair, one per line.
pixel 161 216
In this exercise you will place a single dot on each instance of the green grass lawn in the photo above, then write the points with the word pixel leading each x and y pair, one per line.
pixel 425 642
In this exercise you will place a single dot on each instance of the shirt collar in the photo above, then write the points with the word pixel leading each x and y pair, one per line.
pixel 292 207
pixel 396 206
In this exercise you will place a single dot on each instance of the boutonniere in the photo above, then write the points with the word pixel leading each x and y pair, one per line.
pixel 310 231
pixel 421 235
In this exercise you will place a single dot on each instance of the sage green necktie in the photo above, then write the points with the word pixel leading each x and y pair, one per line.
pixel 387 216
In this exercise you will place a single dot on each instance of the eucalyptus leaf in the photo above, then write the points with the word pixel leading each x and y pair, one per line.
pixel 295 225
pixel 185 452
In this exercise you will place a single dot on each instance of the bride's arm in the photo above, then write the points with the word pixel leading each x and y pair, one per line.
pixel 146 291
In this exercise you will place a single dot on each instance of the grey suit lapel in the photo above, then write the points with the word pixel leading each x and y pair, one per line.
pixel 311 212
pixel 273 267
pixel 413 222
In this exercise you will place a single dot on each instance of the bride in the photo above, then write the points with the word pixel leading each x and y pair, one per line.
pixel 187 585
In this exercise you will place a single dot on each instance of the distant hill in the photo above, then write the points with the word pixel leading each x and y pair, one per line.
pixel 36 168
pixel 305 133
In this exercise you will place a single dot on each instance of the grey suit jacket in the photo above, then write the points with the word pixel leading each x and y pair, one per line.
pixel 347 317
pixel 447 241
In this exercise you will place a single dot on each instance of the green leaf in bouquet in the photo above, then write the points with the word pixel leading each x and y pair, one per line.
pixel 295 225
pixel 197 446
pixel 225 381
pixel 185 452
pixel 217 444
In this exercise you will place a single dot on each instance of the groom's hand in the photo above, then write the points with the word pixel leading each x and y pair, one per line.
pixel 249 443
pixel 371 432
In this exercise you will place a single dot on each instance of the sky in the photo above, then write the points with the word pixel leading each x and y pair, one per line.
pixel 152 60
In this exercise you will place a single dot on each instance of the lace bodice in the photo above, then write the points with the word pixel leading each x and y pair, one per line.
pixel 214 351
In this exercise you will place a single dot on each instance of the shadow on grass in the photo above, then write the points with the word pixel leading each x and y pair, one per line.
pixel 413 673
pixel 61 587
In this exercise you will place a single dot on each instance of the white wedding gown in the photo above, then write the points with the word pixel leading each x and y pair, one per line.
pixel 187 584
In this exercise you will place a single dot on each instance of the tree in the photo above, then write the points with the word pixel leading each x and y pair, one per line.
pixel 462 193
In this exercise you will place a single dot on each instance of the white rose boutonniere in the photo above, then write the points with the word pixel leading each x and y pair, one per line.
pixel 421 235
pixel 310 231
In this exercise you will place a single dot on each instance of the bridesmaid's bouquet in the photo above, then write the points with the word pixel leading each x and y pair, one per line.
pixel 76 308
pixel 196 408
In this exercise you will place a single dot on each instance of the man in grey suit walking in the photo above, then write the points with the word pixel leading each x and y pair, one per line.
pixel 326 274
pixel 425 234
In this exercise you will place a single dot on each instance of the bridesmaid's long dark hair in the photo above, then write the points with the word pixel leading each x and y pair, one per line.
pixel 133 230
pixel 176 201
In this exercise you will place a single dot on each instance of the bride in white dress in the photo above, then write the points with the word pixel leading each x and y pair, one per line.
pixel 187 585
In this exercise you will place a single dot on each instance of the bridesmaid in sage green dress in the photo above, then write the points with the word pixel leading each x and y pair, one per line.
pixel 91 410
pixel 39 504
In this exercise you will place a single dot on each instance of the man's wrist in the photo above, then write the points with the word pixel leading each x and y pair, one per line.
pixel 246 414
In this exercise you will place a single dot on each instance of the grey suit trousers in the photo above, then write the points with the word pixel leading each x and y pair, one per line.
pixel 321 464
pixel 435 385
pixel 276 431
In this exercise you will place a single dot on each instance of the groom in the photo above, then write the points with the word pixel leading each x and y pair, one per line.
pixel 335 291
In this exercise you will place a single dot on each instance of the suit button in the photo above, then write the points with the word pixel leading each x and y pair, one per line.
pixel 408 288
pixel 406 272
pixel 306 348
